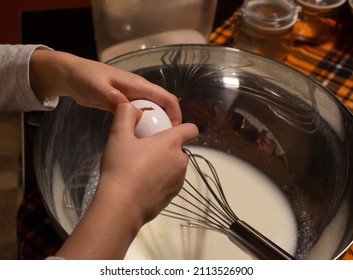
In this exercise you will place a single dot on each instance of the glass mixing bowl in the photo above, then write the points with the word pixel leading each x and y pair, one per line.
pixel 261 112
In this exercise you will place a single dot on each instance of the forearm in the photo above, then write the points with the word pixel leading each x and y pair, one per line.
pixel 49 73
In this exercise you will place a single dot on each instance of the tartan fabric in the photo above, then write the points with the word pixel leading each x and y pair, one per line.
pixel 224 35
pixel 331 64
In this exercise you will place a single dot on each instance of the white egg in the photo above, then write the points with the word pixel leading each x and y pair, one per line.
pixel 154 119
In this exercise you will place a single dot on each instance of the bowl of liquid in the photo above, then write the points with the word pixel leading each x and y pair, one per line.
pixel 280 143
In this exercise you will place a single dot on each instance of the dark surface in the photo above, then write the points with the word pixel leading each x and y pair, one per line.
pixel 225 8
pixel 69 30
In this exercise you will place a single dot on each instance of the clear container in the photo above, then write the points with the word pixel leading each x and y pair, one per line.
pixel 122 26
pixel 265 27
pixel 235 98
pixel 318 21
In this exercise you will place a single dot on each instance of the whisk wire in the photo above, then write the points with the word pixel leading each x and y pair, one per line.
pixel 212 211
pixel 218 195
pixel 195 220
pixel 206 202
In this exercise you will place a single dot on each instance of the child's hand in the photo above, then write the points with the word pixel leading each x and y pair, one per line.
pixel 94 84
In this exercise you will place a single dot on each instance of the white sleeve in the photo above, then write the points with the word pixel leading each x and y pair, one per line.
pixel 15 90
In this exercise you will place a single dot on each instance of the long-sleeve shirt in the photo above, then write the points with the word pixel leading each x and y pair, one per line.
pixel 15 89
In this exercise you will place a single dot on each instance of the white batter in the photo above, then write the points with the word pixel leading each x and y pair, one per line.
pixel 245 188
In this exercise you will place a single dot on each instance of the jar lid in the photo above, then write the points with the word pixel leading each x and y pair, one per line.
pixel 269 14
pixel 322 4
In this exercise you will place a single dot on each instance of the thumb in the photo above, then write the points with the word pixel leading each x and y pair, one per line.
pixel 125 118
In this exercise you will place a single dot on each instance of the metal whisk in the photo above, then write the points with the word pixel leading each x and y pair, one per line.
pixel 209 209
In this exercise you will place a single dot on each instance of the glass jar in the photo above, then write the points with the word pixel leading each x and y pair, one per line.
pixel 265 27
pixel 318 21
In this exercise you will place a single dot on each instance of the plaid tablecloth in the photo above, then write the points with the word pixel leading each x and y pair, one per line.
pixel 331 64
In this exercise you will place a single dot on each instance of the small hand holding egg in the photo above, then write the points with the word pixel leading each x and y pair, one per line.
pixel 154 119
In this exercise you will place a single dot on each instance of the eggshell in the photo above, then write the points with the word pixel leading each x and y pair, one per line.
pixel 154 119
